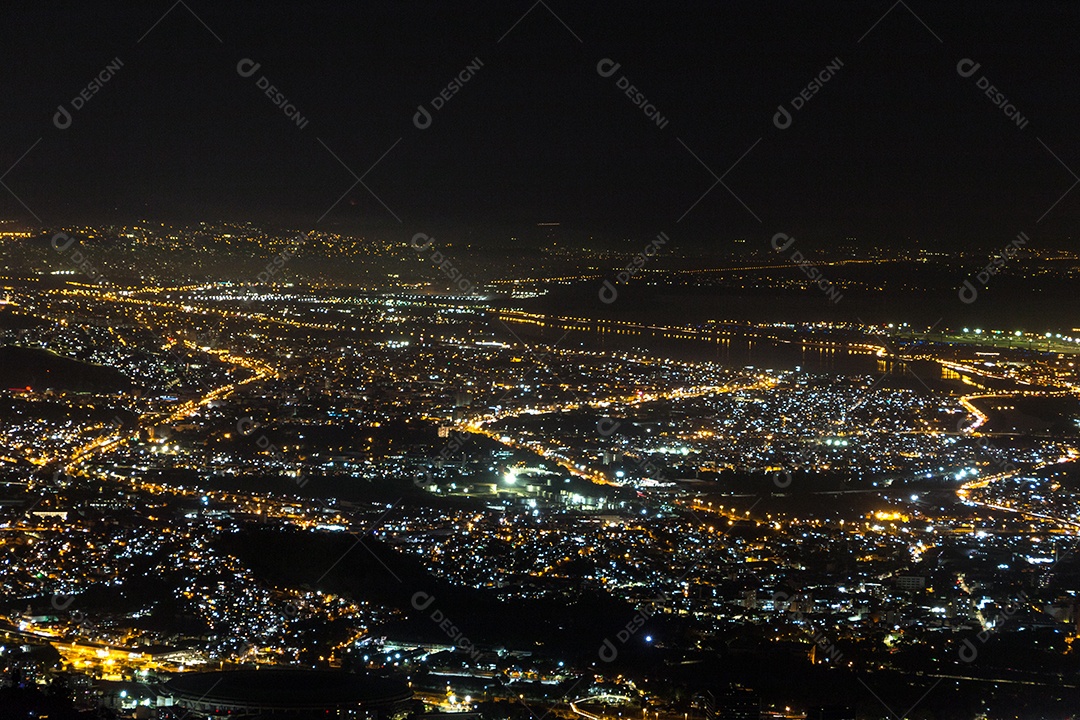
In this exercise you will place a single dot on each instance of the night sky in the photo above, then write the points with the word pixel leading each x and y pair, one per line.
pixel 897 145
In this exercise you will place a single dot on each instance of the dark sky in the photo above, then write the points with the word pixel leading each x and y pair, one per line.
pixel 896 145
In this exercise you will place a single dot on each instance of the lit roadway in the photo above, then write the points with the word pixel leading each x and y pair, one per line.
pixel 124 297
pixel 980 417
pixel 478 425
pixel 601 698
pixel 966 495
pixel 260 371
pixel 111 659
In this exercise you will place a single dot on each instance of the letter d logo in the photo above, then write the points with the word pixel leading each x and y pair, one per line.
pixel 247 67
pixel 422 601
pixel 606 426
pixel 67 239
pixel 965 424
pixel 607 651
pixel 781 237
pixel 782 118
pixel 422 118
pixel 967 67
pixel 607 67
pixel 608 293
pixel 62 602
pixel 62 118
pixel 968 293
